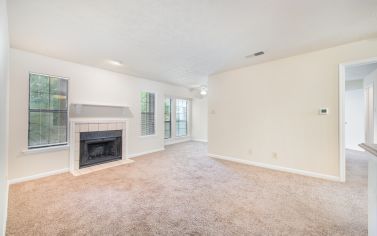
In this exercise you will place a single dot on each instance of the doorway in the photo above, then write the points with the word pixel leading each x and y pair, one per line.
pixel 357 122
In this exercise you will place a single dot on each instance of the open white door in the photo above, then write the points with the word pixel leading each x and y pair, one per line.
pixel 369 122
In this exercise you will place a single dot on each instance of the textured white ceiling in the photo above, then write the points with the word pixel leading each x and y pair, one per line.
pixel 357 72
pixel 184 41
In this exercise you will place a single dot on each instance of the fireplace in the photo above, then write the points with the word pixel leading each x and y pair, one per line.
pixel 100 147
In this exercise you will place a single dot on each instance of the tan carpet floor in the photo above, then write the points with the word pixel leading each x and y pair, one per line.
pixel 181 191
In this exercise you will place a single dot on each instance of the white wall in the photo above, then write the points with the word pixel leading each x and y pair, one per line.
pixel 354 115
pixel 86 85
pixel 371 80
pixel 200 119
pixel 272 108
pixel 4 76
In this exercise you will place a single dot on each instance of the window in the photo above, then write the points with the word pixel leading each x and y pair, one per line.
pixel 48 106
pixel 147 113
pixel 181 117
pixel 167 118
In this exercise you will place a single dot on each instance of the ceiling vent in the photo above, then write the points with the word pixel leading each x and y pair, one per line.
pixel 255 54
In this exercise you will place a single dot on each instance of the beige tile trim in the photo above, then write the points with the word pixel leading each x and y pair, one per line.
pixel 91 126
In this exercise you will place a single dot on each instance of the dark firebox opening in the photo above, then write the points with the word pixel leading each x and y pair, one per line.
pixel 100 147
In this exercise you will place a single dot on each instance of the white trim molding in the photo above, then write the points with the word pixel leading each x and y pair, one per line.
pixel 341 134
pixel 200 140
pixel 278 168
pixel 46 149
pixel 37 176
pixel 145 153
pixel 177 140
pixel 4 223
pixel 342 90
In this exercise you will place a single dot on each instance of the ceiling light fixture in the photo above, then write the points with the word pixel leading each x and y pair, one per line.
pixel 255 54
pixel 203 91
pixel 115 63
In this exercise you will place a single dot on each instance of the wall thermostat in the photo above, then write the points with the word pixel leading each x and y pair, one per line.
pixel 324 111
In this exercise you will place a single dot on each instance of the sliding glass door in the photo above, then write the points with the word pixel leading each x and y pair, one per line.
pixel 181 117
pixel 167 118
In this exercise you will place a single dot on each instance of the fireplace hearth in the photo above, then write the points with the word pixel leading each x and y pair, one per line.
pixel 100 147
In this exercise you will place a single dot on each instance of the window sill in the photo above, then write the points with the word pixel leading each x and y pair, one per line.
pixel 148 136
pixel 45 149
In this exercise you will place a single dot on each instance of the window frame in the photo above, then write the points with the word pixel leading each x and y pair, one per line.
pixel 54 145
pixel 170 117
pixel 154 114
pixel 187 118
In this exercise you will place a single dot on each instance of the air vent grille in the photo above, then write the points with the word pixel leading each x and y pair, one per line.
pixel 255 54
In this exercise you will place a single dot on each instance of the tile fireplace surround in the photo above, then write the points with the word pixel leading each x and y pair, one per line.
pixel 80 125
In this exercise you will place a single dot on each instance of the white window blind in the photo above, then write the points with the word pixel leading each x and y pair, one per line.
pixel 147 113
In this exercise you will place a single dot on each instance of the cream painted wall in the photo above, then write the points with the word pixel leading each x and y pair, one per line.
pixel 4 79
pixel 200 119
pixel 273 107
pixel 86 85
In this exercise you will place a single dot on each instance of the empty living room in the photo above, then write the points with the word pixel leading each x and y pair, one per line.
pixel 178 117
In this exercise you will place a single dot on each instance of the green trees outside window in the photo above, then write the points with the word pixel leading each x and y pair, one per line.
pixel 48 110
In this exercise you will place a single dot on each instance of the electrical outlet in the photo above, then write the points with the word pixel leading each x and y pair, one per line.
pixel 274 155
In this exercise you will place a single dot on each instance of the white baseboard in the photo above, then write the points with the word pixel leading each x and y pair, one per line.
pixel 145 153
pixel 279 168
pixel 55 172
pixel 37 176
pixel 171 142
pixel 356 149
pixel 200 140
pixel 4 223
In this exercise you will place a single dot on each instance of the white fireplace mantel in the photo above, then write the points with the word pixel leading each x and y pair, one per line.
pixel 88 110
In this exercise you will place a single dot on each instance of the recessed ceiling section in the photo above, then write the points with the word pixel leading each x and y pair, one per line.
pixel 182 42
pixel 358 72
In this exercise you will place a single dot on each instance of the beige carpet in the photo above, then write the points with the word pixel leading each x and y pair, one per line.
pixel 183 192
